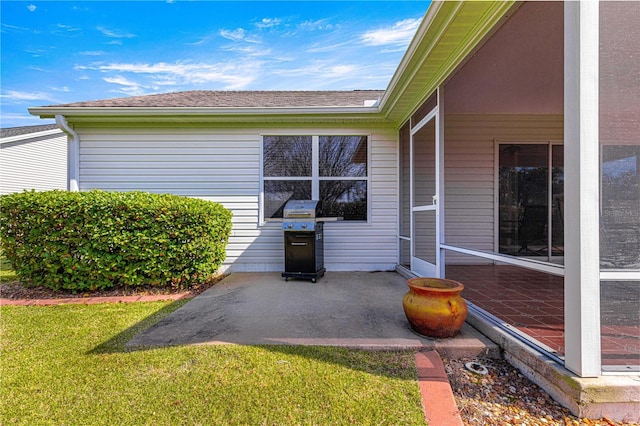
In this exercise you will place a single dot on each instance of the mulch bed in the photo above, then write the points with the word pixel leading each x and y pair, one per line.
pixel 16 290
pixel 503 396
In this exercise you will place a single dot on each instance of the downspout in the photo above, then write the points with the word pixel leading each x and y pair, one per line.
pixel 73 153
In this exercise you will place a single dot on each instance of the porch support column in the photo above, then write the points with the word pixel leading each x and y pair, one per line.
pixel 441 236
pixel 581 186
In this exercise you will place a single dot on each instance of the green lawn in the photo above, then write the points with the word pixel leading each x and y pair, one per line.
pixel 67 364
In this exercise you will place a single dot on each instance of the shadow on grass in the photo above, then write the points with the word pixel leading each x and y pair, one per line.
pixel 117 343
pixel 397 364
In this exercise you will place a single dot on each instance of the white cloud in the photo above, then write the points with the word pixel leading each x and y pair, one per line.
pixel 31 7
pixel 64 27
pixel 400 33
pixel 127 86
pixel 269 23
pixel 19 96
pixel 121 81
pixel 203 40
pixel 239 34
pixel 248 50
pixel 234 76
pixel 320 48
pixel 320 69
pixel 36 53
pixel 236 35
pixel 16 119
pixel 114 34
pixel 6 27
pixel 320 24
pixel 92 53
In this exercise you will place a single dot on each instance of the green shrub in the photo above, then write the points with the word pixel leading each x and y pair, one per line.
pixel 96 240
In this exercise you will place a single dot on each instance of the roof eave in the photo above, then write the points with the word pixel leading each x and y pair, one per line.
pixel 238 116
pixel 49 112
pixel 33 135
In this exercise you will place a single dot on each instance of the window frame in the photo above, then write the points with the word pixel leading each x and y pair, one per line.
pixel 315 177
pixel 550 143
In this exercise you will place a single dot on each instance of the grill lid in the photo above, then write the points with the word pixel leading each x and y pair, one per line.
pixel 302 209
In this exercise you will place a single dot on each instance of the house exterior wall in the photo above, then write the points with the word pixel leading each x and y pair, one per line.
pixel 469 172
pixel 38 163
pixel 224 165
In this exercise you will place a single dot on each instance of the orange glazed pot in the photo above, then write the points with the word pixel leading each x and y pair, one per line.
pixel 434 306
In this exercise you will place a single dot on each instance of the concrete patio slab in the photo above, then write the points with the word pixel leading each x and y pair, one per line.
pixel 348 309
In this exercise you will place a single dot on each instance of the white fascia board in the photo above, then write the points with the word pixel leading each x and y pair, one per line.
pixel 30 136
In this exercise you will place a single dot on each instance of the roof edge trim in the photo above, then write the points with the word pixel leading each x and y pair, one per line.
pixel 48 112
pixel 26 136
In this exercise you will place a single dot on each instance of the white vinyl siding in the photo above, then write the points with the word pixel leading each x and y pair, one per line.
pixel 470 172
pixel 223 165
pixel 38 163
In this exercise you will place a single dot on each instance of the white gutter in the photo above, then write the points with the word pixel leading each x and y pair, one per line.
pixel 73 154
pixel 47 112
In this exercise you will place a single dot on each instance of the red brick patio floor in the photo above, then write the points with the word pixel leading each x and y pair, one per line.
pixel 533 303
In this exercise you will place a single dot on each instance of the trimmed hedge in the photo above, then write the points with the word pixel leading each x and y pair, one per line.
pixel 95 240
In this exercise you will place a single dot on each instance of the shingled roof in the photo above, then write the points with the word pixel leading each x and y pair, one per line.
pixel 241 99
pixel 8 132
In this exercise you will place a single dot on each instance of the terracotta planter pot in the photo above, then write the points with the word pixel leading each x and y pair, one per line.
pixel 434 306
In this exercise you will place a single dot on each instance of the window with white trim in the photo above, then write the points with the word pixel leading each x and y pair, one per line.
pixel 333 169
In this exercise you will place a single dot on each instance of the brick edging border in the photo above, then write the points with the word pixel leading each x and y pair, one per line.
pixel 437 396
pixel 94 300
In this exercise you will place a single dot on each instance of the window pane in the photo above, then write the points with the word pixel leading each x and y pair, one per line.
pixel 343 156
pixel 286 156
pixel 278 192
pixel 344 198
pixel 523 176
pixel 557 199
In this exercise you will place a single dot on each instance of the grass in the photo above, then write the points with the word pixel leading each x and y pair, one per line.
pixel 67 364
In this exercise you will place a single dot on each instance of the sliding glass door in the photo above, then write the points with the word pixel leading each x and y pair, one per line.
pixel 531 200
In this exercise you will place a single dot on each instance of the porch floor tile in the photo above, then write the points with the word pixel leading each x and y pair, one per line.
pixel 533 303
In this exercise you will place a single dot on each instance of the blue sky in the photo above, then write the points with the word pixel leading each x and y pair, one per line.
pixel 64 51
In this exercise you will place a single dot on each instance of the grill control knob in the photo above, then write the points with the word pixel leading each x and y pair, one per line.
pixel 290 225
pixel 304 226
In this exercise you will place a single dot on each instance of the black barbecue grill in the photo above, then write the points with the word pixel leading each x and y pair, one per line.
pixel 303 240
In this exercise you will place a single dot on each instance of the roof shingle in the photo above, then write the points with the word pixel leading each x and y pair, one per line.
pixel 241 99
pixel 8 132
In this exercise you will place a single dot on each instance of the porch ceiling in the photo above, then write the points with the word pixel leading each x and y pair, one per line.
pixel 447 35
